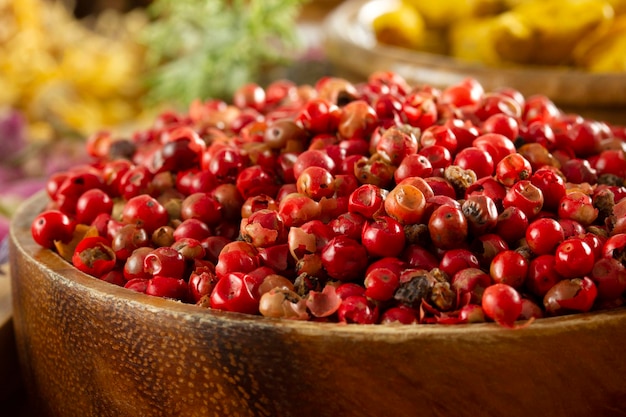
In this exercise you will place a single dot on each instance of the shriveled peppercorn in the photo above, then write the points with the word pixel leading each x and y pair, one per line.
pixel 417 234
pixel 305 283
pixel 604 200
pixel 443 296
pixel 415 289
pixel 460 178
pixel 122 149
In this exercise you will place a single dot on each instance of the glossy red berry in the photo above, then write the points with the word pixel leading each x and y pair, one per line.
pixel 552 187
pixel 202 206
pixel 316 183
pixel 75 185
pixel 165 261
pixel 236 292
pixel 502 303
pixel 92 203
pixel 512 168
pixel 524 195
pixel 236 256
pixel 396 144
pixel 454 260
pixel 414 165
pixel 447 227
pixel 543 235
pixel 609 276
pixel 541 275
pixel 481 214
pixel 476 159
pixel 145 212
pixel 611 161
pixel 509 267
pixel 167 287
pixel 344 259
pixel 502 124
pixel 496 145
pixel 578 206
pixel 380 284
pixel 296 209
pixel 319 116
pixel 368 200
pixel 470 283
pixel 406 204
pixel 401 314
pixel 357 309
pixel 50 226
pixel 573 258
pixel 439 135
pixel 256 180
pixel 383 237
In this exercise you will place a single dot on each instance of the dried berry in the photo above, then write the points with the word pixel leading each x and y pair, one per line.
pixel 369 203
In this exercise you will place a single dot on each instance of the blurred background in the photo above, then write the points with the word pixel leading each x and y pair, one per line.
pixel 69 69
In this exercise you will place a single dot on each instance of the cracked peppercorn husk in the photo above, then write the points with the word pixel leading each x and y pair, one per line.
pixel 305 283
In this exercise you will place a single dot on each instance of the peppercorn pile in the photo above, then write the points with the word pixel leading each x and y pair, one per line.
pixel 378 202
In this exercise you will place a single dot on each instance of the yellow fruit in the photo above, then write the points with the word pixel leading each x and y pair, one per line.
pixel 556 26
pixel 512 39
pixel 619 6
pixel 604 50
pixel 472 40
pixel 401 26
pixel 442 14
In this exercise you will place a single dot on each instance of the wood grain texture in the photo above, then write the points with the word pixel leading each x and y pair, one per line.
pixel 92 349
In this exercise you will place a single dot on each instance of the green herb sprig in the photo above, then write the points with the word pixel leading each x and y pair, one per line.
pixel 208 48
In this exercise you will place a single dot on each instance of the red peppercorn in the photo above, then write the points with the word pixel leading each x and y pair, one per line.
pixel 91 204
pixel 145 212
pixel 570 295
pixel 381 284
pixel 543 235
pixel 357 309
pixel 165 261
pixel 94 256
pixel 447 227
pixel 573 258
pixel 344 259
pixel 383 237
pixel 541 275
pixel 502 303
pixel 50 226
pixel 509 267
pixel 236 292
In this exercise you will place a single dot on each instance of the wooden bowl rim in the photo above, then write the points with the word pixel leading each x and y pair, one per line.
pixel 344 27
pixel 59 270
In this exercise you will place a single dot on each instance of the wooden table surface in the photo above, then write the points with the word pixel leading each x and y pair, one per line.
pixel 13 399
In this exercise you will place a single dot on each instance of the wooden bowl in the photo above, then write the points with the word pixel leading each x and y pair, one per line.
pixel 89 348
pixel 351 46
